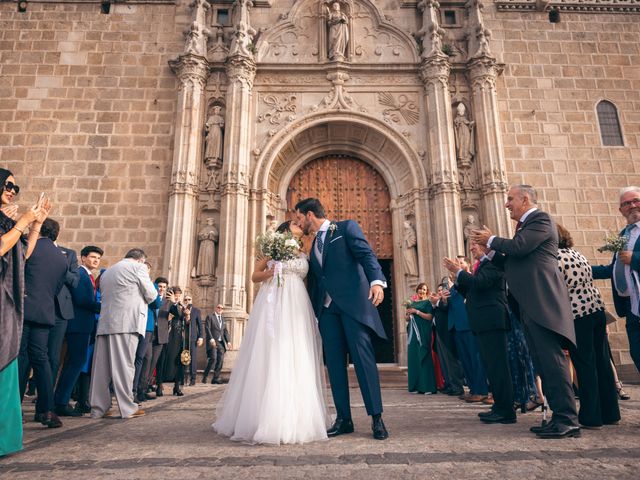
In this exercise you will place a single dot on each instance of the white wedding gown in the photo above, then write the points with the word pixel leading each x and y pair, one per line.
pixel 276 393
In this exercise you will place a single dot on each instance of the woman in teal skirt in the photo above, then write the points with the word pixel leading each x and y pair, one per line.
pixel 419 330
pixel 13 252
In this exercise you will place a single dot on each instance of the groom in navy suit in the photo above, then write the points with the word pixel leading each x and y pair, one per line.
pixel 346 285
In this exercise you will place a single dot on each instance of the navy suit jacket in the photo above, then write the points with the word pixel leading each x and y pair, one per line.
pixel 622 304
pixel 195 325
pixel 457 311
pixel 348 268
pixel 64 302
pixel 44 273
pixel 85 305
pixel 486 296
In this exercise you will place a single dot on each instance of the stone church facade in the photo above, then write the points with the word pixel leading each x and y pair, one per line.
pixel 187 127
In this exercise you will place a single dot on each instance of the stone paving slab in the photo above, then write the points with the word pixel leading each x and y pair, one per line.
pixel 432 436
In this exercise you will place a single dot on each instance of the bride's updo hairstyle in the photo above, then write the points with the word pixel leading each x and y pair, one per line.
pixel 284 227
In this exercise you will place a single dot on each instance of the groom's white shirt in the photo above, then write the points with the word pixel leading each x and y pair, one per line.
pixel 321 233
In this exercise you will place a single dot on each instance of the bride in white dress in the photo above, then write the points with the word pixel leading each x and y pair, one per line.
pixel 276 393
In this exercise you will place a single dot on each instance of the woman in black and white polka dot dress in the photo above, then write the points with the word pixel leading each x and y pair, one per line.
pixel 598 396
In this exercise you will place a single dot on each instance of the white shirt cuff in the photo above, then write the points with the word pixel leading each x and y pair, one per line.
pixel 379 282
pixel 490 240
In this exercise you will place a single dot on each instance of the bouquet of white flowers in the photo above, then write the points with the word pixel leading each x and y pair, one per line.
pixel 278 247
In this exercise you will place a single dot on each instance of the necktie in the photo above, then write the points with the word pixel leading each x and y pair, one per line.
pixel 320 242
pixel 93 282
pixel 621 278
pixel 476 266
pixel 518 225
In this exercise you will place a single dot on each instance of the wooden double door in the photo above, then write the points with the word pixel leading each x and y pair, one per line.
pixel 351 189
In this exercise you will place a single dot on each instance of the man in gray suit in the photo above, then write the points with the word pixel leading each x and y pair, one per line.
pixel 217 343
pixel 126 290
pixel 533 278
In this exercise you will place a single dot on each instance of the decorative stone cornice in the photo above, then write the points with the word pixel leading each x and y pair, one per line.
pixel 579 6
pixel 190 68
pixel 241 69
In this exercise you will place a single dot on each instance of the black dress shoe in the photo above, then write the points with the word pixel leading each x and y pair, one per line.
pixel 67 411
pixel 541 428
pixel 204 379
pixel 52 420
pixel 379 430
pixel 340 427
pixel 560 431
pixel 498 418
pixel 486 414
pixel 40 418
pixel 192 382
pixel 177 392
pixel 159 392
pixel 82 407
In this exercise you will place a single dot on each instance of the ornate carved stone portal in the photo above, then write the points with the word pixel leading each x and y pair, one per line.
pixel 388 114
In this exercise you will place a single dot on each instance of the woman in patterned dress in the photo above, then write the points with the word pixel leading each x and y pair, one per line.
pixel 598 396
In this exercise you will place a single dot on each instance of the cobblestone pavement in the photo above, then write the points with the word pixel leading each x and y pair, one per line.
pixel 432 436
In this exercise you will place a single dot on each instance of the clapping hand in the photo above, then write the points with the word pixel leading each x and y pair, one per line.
pixel 481 235
pixel 10 210
pixel 451 264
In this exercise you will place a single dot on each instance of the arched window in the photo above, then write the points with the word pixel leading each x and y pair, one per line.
pixel 610 130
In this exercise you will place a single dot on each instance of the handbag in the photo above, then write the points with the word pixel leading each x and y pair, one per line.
pixel 185 355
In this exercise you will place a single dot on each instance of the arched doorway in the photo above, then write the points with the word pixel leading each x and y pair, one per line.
pixel 349 188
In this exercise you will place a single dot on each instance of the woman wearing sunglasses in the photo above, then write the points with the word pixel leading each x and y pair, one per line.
pixel 14 250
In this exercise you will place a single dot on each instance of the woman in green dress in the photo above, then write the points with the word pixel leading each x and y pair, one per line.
pixel 13 252
pixel 419 327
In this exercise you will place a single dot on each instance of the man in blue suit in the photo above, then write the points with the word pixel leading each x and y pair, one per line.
pixel 624 271
pixel 79 329
pixel 346 285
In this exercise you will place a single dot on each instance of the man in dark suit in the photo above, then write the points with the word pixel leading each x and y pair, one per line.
pixel 45 272
pixel 486 303
pixel 531 270
pixel 63 301
pixel 624 271
pixel 217 339
pixel 85 307
pixel 196 334
pixel 161 336
pixel 347 286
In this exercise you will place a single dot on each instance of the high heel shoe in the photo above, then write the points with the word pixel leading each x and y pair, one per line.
pixel 177 392
pixel 622 395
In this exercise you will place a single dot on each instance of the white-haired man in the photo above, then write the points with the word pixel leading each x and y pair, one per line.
pixel 624 270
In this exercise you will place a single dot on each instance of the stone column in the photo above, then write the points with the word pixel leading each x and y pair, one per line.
pixel 483 70
pixel 233 266
pixel 440 144
pixel 192 72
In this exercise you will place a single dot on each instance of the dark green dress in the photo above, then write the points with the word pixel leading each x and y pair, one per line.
pixel 419 360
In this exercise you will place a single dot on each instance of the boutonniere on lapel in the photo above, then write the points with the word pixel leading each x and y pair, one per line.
pixel 332 229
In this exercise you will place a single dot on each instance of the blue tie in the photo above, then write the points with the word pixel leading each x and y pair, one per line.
pixel 320 242
pixel 621 279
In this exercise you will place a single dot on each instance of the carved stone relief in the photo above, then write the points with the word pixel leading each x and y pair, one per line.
pixel 400 109
pixel 279 109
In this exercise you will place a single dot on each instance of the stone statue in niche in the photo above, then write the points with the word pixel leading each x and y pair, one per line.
pixel 192 44
pixel 213 130
pixel 242 38
pixel 463 129
pixel 410 250
pixel 470 224
pixel 338 24
pixel 208 238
